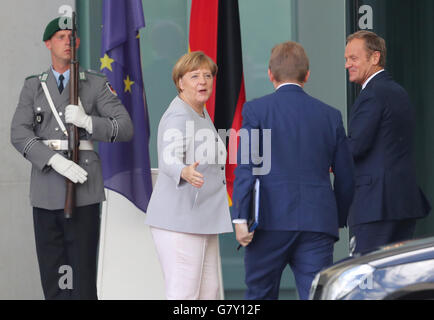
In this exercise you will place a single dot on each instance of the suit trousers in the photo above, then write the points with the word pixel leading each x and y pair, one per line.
pixel 67 252
pixel 307 253
pixel 189 263
pixel 367 237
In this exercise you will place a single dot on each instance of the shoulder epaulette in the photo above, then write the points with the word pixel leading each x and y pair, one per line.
pixel 33 76
pixel 96 73
pixel 41 76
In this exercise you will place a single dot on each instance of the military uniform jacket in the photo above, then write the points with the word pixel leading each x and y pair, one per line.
pixel 34 122
pixel 183 138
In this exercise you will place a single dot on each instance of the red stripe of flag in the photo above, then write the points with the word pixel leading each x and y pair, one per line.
pixel 215 30
pixel 203 36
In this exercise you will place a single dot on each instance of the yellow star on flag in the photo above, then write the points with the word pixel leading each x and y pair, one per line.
pixel 106 62
pixel 128 84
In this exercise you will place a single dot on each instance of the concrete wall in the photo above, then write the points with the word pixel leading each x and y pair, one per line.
pixel 22 53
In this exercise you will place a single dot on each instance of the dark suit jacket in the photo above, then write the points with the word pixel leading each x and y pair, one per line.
pixel 380 134
pixel 307 138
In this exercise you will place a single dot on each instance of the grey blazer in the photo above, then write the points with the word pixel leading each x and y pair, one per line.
pixel 183 138
pixel 33 121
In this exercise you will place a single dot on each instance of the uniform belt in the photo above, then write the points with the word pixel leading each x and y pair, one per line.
pixel 63 144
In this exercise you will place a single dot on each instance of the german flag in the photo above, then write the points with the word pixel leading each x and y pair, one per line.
pixel 215 30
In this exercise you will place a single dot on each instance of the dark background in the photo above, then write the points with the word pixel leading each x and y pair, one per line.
pixel 408 28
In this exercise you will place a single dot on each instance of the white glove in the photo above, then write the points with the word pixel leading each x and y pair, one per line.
pixel 68 168
pixel 77 116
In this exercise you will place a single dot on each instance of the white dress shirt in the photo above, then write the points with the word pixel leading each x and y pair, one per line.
pixel 370 78
pixel 287 83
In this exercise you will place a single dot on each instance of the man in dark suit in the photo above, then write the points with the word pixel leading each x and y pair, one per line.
pixel 300 212
pixel 387 200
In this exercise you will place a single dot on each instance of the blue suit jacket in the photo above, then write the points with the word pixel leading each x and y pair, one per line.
pixel 380 134
pixel 307 138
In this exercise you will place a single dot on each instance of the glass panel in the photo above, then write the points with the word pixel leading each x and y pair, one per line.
pixel 263 25
pixel 163 41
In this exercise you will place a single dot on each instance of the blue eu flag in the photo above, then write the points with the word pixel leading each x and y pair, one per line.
pixel 126 165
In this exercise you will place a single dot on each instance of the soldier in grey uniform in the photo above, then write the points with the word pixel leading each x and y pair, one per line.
pixel 66 248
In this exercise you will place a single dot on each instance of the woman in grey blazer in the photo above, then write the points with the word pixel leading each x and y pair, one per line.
pixel 189 204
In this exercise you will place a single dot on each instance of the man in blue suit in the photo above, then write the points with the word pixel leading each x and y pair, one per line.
pixel 387 200
pixel 300 212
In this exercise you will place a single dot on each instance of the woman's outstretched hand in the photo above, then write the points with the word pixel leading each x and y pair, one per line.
pixel 193 177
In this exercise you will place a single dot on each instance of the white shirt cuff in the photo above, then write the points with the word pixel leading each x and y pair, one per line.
pixel 239 221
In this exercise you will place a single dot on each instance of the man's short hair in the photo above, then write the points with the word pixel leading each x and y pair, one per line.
pixel 289 61
pixel 373 42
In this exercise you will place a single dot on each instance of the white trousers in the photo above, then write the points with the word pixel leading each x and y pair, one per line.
pixel 189 263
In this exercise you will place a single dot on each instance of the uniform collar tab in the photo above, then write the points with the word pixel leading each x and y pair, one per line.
pixel 43 77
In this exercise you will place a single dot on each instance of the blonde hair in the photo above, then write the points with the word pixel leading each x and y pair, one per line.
pixel 189 62
pixel 289 61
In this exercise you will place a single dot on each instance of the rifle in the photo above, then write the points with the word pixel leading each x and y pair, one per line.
pixel 73 138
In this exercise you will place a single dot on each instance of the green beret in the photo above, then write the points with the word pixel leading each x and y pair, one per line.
pixel 60 23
